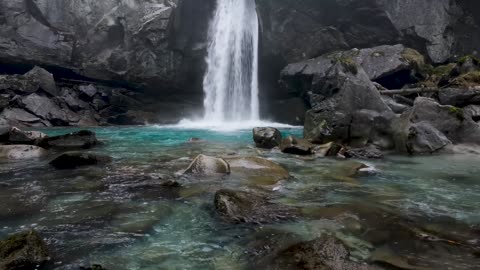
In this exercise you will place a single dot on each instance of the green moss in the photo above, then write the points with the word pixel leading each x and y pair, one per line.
pixel 348 63
pixel 467 80
pixel 465 58
pixel 413 57
pixel 459 113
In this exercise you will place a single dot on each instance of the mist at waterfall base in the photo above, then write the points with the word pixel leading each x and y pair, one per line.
pixel 231 81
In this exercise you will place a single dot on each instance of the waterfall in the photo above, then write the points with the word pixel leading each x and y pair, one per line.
pixel 231 80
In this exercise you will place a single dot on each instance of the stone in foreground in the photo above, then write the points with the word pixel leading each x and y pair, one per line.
pixel 296 146
pixel 266 137
pixel 83 139
pixel 208 166
pixel 21 152
pixel 326 252
pixel 24 251
pixel 246 207
pixel 76 159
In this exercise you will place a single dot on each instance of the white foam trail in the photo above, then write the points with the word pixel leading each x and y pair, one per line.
pixel 227 126
pixel 231 81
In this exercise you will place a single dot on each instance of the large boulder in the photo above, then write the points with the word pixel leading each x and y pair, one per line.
pixel 18 84
pixel 208 166
pixel 346 106
pixel 296 146
pixel 246 207
pixel 267 137
pixel 21 152
pixel 23 251
pixel 45 80
pixel 74 160
pixel 83 139
pixel 429 126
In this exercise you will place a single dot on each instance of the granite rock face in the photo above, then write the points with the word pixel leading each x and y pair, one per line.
pixel 156 45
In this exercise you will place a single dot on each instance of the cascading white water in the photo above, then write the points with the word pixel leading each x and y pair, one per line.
pixel 231 81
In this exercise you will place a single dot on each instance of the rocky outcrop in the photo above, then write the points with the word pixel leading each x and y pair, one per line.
pixel 429 127
pixel 74 160
pixel 293 31
pixel 35 99
pixel 346 105
pixel 132 41
pixel 267 137
pixel 25 250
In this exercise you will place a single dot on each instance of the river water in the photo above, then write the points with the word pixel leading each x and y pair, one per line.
pixel 421 212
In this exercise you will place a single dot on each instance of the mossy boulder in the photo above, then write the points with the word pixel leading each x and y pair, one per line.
pixel 204 165
pixel 25 250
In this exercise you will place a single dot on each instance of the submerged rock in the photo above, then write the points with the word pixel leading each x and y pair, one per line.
pixel 83 139
pixel 208 166
pixel 258 170
pixel 326 252
pixel 25 251
pixel 246 207
pixel 76 159
pixel 296 146
pixel 19 152
pixel 267 137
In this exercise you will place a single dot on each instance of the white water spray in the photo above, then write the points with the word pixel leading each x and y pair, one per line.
pixel 231 81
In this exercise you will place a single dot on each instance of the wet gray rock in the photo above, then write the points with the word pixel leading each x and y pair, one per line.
pixel 368 152
pixel 326 252
pixel 267 137
pixel 74 160
pixel 83 139
pixel 24 251
pixel 346 105
pixel 88 90
pixel 296 146
pixel 44 78
pixel 246 207
pixel 459 97
pixel 396 107
pixel 17 136
pixel 208 166
pixel 19 117
pixel 429 126
pixel 21 152
pixel 18 83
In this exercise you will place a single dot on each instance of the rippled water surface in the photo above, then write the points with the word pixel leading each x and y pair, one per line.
pixel 422 211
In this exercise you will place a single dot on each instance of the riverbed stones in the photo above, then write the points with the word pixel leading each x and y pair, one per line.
pixel 21 152
pixel 204 165
pixel 326 252
pixel 83 139
pixel 247 207
pixel 297 146
pixel 266 137
pixel 24 251
pixel 74 160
